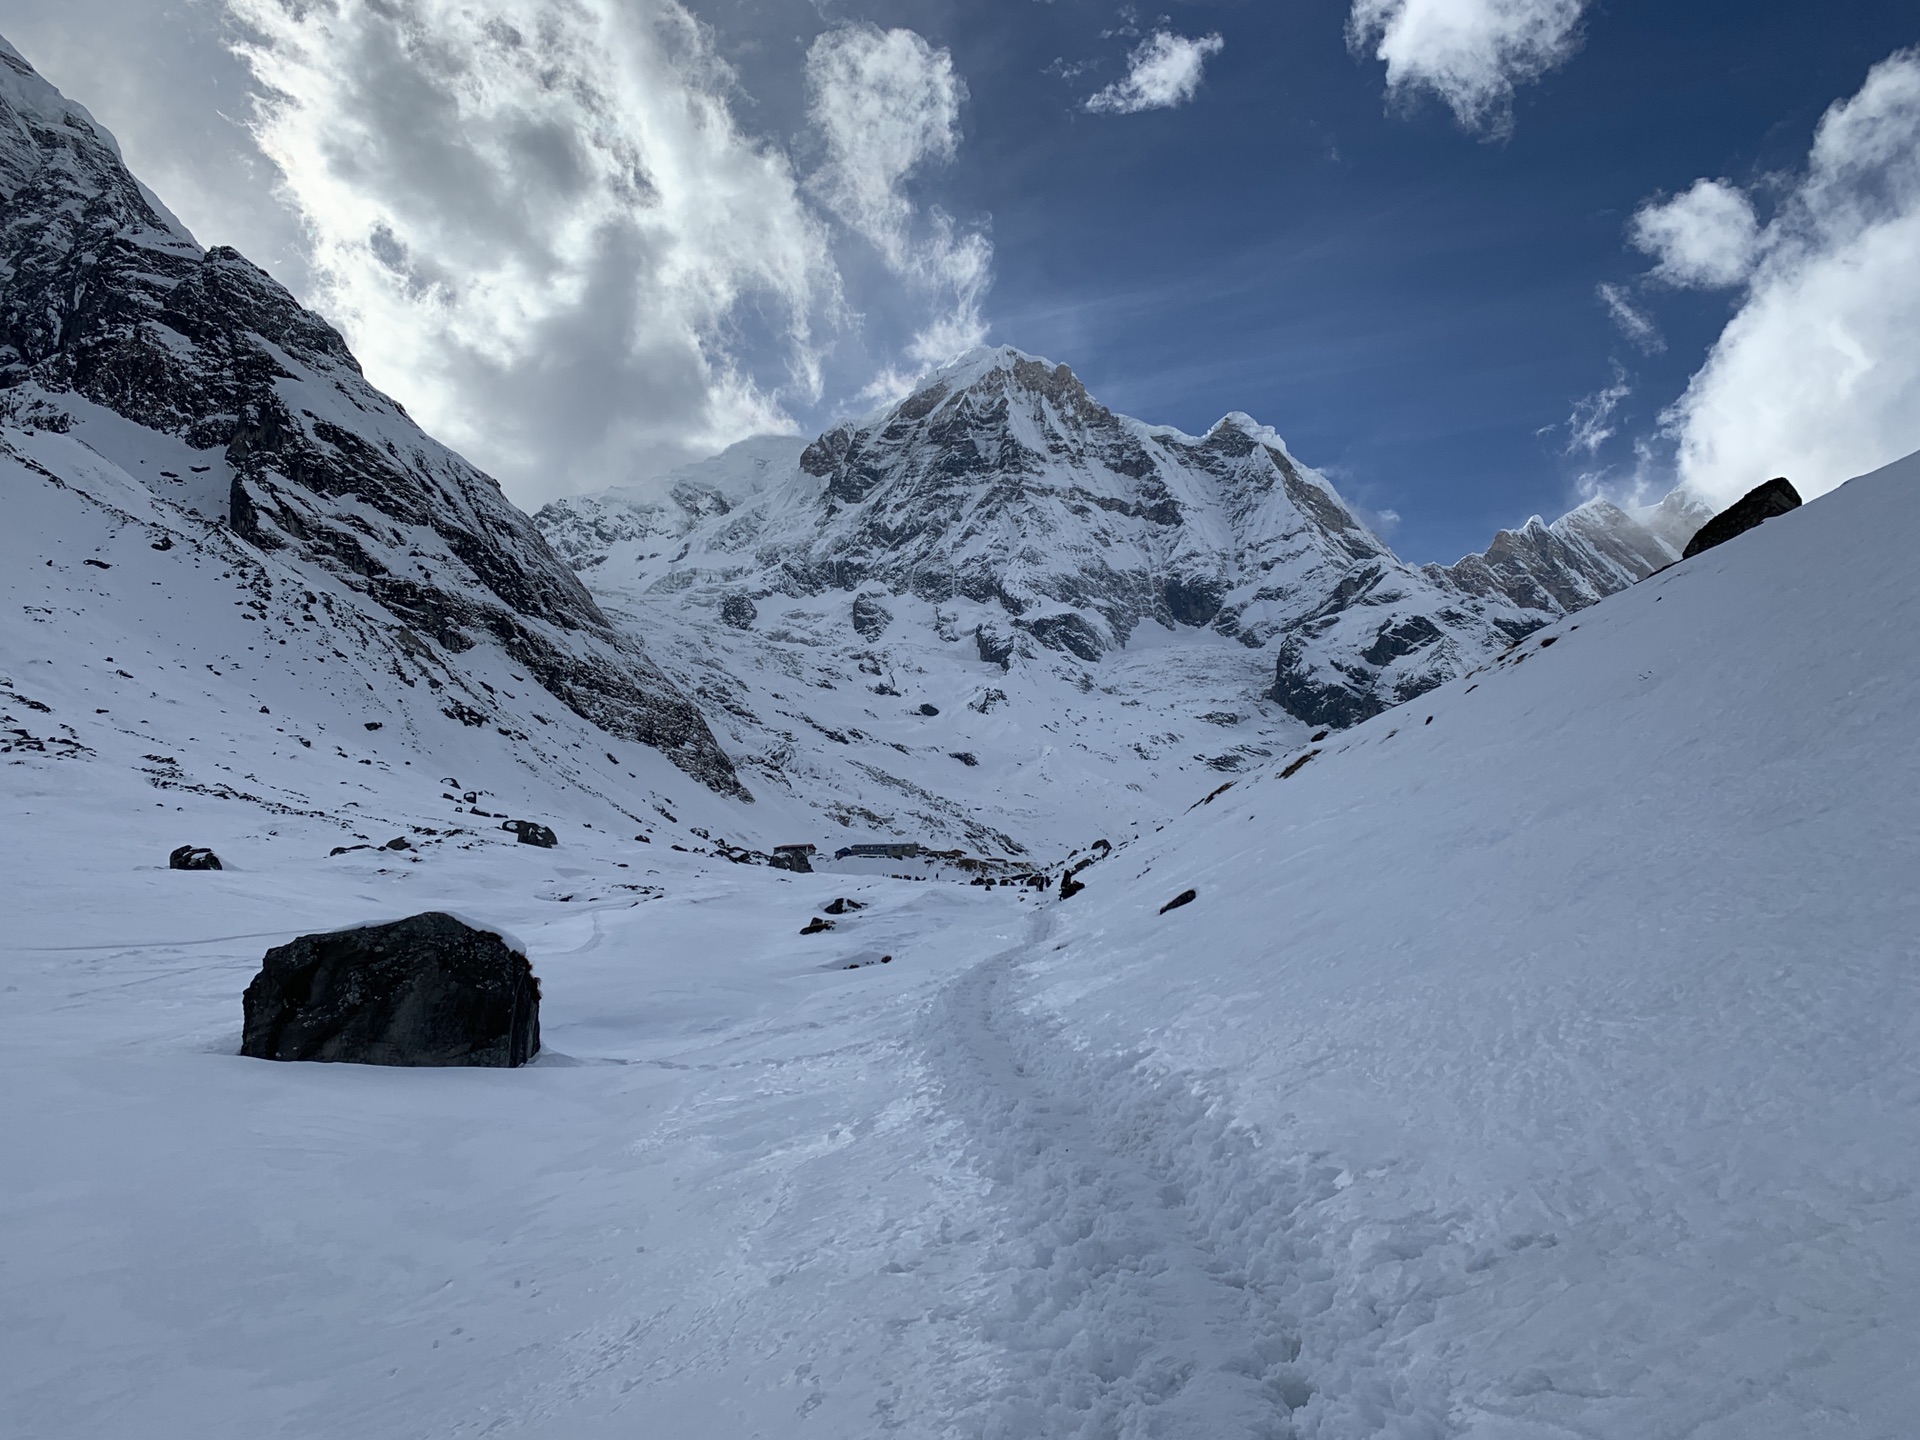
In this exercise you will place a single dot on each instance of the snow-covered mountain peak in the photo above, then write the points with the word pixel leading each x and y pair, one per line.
pixel 970 365
pixel 1001 544
pixel 1032 517
pixel 1244 424
pixel 54 146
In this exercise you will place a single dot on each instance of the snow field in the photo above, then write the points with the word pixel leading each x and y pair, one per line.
pixel 1545 1069
pixel 1063 753
pixel 710 1204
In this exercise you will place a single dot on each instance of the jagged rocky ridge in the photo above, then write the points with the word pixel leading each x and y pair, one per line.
pixel 109 308
pixel 1034 519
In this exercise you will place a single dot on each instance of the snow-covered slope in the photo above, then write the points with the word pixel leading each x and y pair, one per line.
pixel 1540 1058
pixel 140 641
pixel 1534 1059
pixel 194 373
pixel 1547 1069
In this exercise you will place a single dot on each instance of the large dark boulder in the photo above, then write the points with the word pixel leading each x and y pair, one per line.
pixel 428 990
pixel 193 857
pixel 1067 632
pixel 870 617
pixel 1759 504
pixel 532 832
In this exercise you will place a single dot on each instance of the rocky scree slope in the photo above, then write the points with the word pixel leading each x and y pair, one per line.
pixel 1030 519
pixel 114 322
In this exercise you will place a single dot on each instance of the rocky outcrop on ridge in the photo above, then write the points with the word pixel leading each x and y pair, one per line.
pixel 1752 509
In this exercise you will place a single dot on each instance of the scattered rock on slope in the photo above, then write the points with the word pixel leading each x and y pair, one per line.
pixel 429 990
pixel 1758 505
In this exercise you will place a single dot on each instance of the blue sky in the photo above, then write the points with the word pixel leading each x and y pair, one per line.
pixel 1414 300
pixel 1409 304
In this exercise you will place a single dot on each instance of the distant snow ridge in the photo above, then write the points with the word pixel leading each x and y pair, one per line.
pixel 109 308
pixel 1031 518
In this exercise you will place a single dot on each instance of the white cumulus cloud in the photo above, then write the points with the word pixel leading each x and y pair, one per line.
pixel 1164 70
pixel 1706 236
pixel 1817 375
pixel 539 224
pixel 1471 54
pixel 887 106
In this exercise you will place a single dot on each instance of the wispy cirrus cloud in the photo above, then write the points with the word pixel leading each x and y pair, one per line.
pixel 1633 322
pixel 1470 54
pixel 1591 423
pixel 1164 71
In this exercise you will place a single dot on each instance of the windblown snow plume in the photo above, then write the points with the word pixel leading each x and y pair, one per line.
pixel 1472 54
pixel 1164 71
pixel 1817 376
pixel 539 222
pixel 887 105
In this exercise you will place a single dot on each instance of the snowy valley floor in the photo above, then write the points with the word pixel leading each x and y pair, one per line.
pixel 1546 1068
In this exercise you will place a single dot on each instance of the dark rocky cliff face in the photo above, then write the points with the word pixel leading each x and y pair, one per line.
pixel 106 297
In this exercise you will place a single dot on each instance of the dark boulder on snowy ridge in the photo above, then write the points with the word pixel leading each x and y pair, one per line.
pixel 1754 508
pixel 429 990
